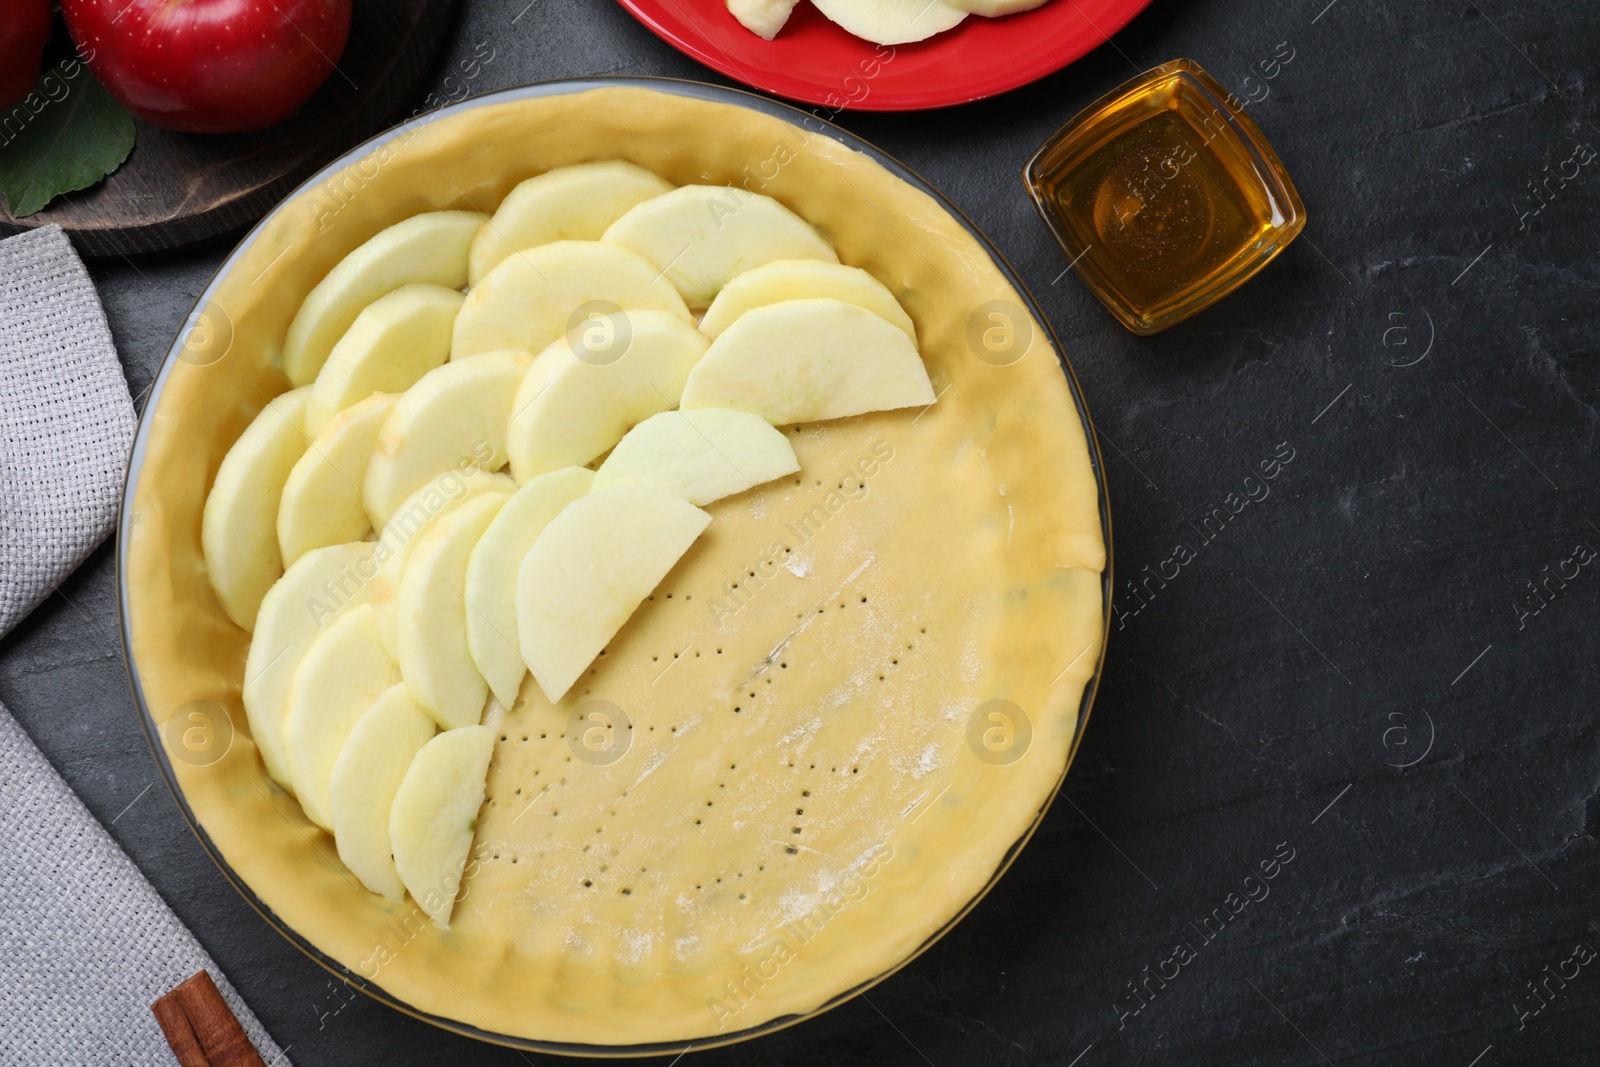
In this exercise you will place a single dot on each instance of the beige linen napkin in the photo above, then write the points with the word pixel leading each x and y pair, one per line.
pixel 86 943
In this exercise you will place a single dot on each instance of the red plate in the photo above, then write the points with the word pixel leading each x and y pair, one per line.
pixel 815 61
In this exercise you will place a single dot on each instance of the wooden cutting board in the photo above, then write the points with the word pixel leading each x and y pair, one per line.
pixel 178 190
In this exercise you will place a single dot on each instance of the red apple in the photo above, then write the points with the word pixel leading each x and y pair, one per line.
pixel 24 29
pixel 210 66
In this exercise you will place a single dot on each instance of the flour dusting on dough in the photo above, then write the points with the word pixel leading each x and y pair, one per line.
pixel 921 765
pixel 841 695
pixel 650 766
pixel 971 664
pixel 866 746
pixel 635 946
pixel 801 735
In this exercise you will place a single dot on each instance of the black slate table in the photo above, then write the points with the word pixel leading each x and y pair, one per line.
pixel 1380 680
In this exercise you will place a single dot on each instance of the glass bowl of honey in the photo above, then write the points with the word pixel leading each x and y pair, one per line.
pixel 1165 196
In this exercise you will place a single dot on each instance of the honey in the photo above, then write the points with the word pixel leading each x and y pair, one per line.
pixel 1165 196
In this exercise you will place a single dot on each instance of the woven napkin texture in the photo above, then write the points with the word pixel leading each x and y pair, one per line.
pixel 65 420
pixel 86 944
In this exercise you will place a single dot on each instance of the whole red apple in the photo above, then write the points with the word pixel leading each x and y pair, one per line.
pixel 24 29
pixel 210 66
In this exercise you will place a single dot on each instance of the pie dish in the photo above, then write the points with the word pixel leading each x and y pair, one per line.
pixel 845 709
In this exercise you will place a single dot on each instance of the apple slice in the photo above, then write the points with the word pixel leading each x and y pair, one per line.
pixel 491 590
pixel 410 521
pixel 578 401
pixel 994 8
pixel 809 360
pixel 702 236
pixel 366 777
pixel 431 247
pixel 239 527
pixel 322 497
pixel 435 814
pixel 456 413
pixel 573 203
pixel 891 21
pixel 531 298
pixel 764 18
pixel 315 591
pixel 797 279
pixel 432 632
pixel 339 677
pixel 589 570
pixel 701 455
pixel 394 341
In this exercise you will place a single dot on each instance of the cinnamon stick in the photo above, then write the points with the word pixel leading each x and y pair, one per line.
pixel 213 1037
pixel 180 1035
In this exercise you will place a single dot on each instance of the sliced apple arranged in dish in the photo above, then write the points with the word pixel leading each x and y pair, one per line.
pixel 455 415
pixel 339 677
pixel 798 279
pixel 593 565
pixel 809 360
pixel 700 455
pixel 581 396
pixel 239 527
pixel 431 247
pixel 312 593
pixel 469 487
pixel 703 236
pixel 406 528
pixel 395 340
pixel 491 599
pixel 432 626
pixel 322 503
pixel 529 300
pixel 435 813
pixel 574 203
pixel 365 778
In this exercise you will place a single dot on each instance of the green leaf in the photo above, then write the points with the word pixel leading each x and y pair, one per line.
pixel 65 135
